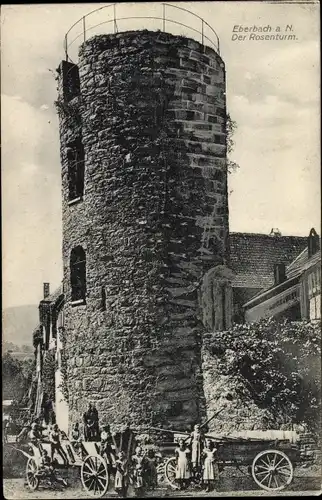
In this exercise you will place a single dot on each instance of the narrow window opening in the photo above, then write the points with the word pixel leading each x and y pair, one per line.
pixel 70 80
pixel 75 157
pixel 78 274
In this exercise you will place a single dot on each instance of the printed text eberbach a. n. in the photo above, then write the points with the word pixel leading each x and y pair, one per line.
pixel 266 32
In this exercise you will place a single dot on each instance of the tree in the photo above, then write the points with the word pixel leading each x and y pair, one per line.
pixel 17 377
pixel 231 127
pixel 13 381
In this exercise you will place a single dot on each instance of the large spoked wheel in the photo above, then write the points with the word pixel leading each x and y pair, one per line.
pixel 95 475
pixel 170 472
pixel 272 470
pixel 161 473
pixel 31 474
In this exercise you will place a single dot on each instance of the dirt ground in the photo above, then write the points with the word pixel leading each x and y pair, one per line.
pixel 14 489
pixel 306 482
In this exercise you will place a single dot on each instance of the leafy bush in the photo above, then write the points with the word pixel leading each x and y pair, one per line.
pixel 278 362
pixel 17 377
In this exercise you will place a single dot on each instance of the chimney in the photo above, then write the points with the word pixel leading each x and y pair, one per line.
pixel 46 290
pixel 279 274
pixel 313 243
pixel 275 232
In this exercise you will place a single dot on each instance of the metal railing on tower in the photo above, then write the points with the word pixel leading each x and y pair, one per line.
pixel 112 20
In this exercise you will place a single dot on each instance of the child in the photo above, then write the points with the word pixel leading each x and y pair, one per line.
pixel 75 438
pixel 45 465
pixel 46 469
pixel 140 466
pixel 152 475
pixel 75 434
pixel 106 445
pixel 183 466
pixel 121 476
pixel 210 468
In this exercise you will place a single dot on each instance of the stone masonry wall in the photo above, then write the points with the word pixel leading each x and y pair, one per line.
pixel 236 413
pixel 153 220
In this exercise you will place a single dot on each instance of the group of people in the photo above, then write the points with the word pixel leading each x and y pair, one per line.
pixel 197 456
pixel 39 434
pixel 47 469
pixel 139 470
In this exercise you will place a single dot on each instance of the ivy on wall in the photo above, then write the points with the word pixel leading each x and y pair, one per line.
pixel 48 372
pixel 63 367
pixel 278 362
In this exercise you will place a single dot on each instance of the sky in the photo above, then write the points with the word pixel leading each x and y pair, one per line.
pixel 273 90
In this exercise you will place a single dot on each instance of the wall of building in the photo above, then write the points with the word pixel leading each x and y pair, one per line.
pixel 286 304
pixel 311 292
pixel 153 220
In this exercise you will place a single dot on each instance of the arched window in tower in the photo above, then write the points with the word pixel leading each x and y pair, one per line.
pixel 78 274
pixel 76 170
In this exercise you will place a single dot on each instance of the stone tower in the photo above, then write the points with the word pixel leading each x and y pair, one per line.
pixel 145 217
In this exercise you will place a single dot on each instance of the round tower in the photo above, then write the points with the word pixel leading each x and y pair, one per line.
pixel 145 217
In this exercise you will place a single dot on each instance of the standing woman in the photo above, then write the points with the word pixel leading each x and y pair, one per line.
pixel 183 466
pixel 210 468
pixel 197 442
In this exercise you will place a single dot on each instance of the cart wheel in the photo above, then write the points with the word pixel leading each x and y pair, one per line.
pixel 161 473
pixel 31 474
pixel 170 471
pixel 272 470
pixel 94 475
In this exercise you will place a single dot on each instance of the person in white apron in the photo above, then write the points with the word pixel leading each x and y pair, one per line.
pixel 210 465
pixel 183 466
pixel 121 476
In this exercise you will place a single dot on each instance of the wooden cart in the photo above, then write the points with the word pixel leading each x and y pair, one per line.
pixel 95 470
pixel 270 462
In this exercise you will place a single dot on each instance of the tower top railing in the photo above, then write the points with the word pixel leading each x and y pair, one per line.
pixel 165 17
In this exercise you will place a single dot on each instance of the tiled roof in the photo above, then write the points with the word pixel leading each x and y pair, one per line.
pixel 253 257
pixel 301 263
pixel 54 296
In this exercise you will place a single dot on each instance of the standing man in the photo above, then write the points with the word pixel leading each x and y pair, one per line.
pixel 197 440
pixel 48 409
pixel 54 438
pixel 96 430
pixel 88 420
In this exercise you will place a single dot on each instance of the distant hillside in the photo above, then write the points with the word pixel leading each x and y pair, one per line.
pixel 18 324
